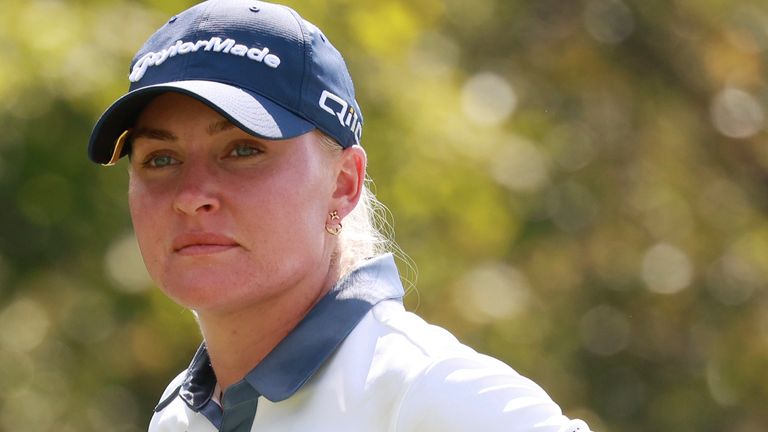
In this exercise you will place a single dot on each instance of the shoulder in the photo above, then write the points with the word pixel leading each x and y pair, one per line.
pixel 447 386
pixel 404 339
pixel 479 393
pixel 408 331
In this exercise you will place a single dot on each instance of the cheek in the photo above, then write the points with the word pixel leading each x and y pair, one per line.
pixel 147 224
pixel 293 203
pixel 146 203
pixel 296 188
pixel 309 197
pixel 138 207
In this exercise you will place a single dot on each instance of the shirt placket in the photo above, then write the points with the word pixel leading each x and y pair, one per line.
pixel 239 407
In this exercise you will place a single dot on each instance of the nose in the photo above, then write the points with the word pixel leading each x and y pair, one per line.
pixel 197 192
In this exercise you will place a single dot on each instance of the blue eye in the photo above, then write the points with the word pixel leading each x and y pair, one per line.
pixel 160 161
pixel 244 150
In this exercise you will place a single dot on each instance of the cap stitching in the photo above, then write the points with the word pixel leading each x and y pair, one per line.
pixel 202 18
pixel 306 50
pixel 308 53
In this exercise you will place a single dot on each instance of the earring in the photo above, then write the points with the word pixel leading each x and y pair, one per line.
pixel 333 228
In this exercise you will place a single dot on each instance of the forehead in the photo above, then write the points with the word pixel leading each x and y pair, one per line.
pixel 170 108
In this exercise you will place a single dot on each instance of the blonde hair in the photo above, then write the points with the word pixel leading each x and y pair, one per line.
pixel 367 230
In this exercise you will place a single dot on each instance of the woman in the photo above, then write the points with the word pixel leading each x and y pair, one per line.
pixel 248 200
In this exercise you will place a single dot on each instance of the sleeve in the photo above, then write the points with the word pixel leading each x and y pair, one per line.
pixel 479 394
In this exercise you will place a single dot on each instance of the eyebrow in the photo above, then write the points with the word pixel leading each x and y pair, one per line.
pixel 151 133
pixel 219 126
pixel 164 135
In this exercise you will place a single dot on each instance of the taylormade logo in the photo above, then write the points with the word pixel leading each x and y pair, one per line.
pixel 214 44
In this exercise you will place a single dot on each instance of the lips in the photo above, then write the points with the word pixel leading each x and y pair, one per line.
pixel 202 243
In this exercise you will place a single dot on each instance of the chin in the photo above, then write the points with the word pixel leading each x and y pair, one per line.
pixel 221 287
pixel 231 284
pixel 202 288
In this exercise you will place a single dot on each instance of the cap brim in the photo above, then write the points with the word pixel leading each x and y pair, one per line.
pixel 249 111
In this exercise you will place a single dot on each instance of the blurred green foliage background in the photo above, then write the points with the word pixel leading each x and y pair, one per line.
pixel 582 185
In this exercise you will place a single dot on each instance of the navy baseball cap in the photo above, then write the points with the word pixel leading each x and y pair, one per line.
pixel 260 65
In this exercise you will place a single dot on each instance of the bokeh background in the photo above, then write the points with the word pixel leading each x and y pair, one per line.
pixel 582 184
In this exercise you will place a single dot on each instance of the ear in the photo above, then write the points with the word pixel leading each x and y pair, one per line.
pixel 350 177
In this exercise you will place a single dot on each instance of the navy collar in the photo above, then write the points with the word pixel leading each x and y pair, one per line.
pixel 300 354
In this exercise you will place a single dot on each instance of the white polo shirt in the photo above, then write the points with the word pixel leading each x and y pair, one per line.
pixel 359 362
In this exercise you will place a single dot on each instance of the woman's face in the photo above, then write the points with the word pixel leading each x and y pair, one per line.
pixel 223 219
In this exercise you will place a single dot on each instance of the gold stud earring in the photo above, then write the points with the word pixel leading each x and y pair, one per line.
pixel 332 227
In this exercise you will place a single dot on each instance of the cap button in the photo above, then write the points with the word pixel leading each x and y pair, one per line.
pixel 173 18
pixel 254 8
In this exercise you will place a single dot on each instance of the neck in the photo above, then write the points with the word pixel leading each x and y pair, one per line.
pixel 238 340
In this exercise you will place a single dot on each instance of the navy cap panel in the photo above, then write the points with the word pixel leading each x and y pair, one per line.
pixel 179 27
pixel 329 94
